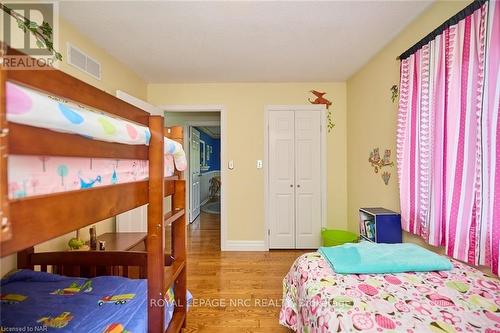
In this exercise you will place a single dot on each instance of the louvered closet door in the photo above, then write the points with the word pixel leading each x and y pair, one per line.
pixel 281 180
pixel 307 179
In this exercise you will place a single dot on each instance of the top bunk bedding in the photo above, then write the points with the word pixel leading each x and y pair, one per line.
pixel 36 175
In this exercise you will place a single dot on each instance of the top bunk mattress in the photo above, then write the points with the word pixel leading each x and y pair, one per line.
pixel 29 107
pixel 37 175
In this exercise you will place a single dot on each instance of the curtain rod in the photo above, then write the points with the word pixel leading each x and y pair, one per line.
pixel 476 4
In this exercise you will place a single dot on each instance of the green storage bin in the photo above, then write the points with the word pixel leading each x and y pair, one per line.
pixel 333 237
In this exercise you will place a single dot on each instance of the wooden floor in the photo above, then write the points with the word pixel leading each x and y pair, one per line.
pixel 233 291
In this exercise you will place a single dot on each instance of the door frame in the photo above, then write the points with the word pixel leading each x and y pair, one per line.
pixel 223 146
pixel 312 108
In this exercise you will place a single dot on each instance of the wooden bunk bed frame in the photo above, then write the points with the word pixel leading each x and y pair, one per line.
pixel 32 220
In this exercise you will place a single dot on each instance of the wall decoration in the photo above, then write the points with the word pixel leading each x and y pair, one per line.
pixel 43 33
pixel 321 100
pixel 330 124
pixel 378 163
pixel 386 176
pixel 394 93
pixel 209 152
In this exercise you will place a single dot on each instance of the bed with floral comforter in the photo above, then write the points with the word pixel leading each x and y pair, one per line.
pixel 316 299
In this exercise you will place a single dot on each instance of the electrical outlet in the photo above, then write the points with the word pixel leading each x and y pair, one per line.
pixel 259 164
pixel 230 165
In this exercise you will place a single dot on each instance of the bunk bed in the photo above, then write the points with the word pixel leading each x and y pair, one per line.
pixel 29 218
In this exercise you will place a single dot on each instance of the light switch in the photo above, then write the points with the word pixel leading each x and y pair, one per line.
pixel 230 165
pixel 259 164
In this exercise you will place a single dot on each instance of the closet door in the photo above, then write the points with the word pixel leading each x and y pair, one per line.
pixel 307 179
pixel 281 180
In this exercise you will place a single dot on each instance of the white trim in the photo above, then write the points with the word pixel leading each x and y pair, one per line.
pixel 266 178
pixel 223 147
pixel 192 108
pixel 306 107
pixel 271 108
pixel 233 245
pixel 324 177
pixel 143 105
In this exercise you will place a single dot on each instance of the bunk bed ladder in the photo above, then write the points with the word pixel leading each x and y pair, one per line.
pixel 178 268
pixel 155 239
pixel 161 278
pixel 176 272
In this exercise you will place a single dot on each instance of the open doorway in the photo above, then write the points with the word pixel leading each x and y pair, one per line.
pixel 204 176
pixel 203 143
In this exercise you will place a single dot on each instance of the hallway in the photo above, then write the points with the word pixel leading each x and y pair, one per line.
pixel 233 291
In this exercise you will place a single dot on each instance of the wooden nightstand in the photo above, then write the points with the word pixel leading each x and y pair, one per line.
pixel 123 241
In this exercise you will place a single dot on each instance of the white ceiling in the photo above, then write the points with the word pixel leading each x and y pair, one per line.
pixel 236 41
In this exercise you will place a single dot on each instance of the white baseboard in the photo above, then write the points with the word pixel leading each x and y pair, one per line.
pixel 232 245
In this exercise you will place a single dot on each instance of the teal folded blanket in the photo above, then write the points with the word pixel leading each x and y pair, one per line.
pixel 371 258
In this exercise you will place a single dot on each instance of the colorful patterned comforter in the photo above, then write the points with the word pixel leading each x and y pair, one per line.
pixel 316 299
pixel 36 175
pixel 43 302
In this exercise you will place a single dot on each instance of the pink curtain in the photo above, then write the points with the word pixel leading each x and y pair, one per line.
pixel 448 139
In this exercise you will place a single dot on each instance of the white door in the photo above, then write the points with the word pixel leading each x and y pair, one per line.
pixel 295 179
pixel 281 180
pixel 194 173
pixel 307 179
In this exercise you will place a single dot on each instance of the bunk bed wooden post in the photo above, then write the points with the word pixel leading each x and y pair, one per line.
pixel 5 231
pixel 155 238
pixel 24 258
pixel 179 249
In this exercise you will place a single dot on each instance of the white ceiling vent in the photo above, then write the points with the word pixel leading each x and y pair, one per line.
pixel 83 62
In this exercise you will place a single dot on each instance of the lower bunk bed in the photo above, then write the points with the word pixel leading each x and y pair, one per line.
pixel 47 301
pixel 317 299
pixel 105 300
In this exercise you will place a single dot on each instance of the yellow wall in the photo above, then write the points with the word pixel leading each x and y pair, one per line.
pixel 244 104
pixel 182 118
pixel 115 76
pixel 371 115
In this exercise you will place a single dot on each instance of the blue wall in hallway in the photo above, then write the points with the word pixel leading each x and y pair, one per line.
pixel 214 162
